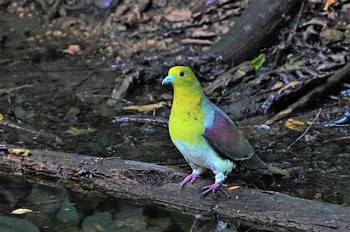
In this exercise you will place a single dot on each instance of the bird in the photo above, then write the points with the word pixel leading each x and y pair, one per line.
pixel 205 135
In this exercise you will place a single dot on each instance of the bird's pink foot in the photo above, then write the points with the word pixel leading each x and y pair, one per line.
pixel 188 178
pixel 212 188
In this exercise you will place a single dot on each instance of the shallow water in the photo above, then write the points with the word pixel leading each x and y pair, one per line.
pixel 58 209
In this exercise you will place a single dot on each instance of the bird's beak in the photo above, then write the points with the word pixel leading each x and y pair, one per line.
pixel 168 79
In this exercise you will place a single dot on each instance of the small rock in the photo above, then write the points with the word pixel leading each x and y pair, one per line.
pixel 57 33
pixel 31 39
pixel 72 49
pixel 48 33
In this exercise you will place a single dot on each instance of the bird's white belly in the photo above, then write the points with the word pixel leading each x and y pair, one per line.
pixel 194 153
pixel 204 155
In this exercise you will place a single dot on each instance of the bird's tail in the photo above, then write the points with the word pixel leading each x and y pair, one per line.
pixel 277 171
pixel 258 164
pixel 254 163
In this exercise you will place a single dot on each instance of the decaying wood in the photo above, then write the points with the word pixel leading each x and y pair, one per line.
pixel 232 76
pixel 253 30
pixel 144 182
pixel 121 88
pixel 284 46
pixel 317 94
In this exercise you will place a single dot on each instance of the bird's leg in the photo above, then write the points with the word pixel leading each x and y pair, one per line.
pixel 211 187
pixel 219 179
pixel 193 176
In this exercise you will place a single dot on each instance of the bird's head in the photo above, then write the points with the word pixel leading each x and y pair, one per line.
pixel 187 89
pixel 181 76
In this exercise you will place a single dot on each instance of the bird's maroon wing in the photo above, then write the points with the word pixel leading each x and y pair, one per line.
pixel 225 138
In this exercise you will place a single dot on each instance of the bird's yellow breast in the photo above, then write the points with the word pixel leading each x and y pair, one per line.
pixel 186 121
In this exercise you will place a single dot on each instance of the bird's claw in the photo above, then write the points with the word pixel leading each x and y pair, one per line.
pixel 212 188
pixel 192 177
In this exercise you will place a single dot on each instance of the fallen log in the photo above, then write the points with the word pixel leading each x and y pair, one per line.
pixel 255 29
pixel 145 182
pixel 315 95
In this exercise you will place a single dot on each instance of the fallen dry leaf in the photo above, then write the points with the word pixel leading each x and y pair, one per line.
pixel 1 117
pixel 197 41
pixel 328 4
pixel 72 49
pixel 15 151
pixel 151 42
pixel 21 211
pixel 133 15
pixel 145 108
pixel 295 125
pixel 202 34
pixel 19 152
pixel 292 84
pixel 179 15
pixel 233 187
pixel 277 85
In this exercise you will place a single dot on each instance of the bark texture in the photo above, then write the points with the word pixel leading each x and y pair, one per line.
pixel 144 182
pixel 254 29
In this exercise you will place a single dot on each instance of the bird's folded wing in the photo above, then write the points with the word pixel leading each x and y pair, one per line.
pixel 225 138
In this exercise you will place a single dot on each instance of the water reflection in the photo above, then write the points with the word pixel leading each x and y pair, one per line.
pixel 59 209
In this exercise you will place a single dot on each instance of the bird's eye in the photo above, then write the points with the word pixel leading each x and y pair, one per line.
pixel 182 74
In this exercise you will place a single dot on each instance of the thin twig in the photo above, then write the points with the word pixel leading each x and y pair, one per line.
pixel 307 129
pixel 336 139
pixel 20 127
pixel 4 91
pixel 142 118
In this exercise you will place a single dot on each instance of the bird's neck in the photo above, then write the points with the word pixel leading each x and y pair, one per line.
pixel 188 97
